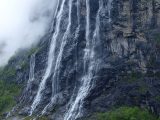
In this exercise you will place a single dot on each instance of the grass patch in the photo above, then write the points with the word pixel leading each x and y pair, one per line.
pixel 127 113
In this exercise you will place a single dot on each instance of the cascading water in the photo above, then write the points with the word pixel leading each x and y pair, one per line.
pixel 55 83
pixel 75 109
pixel 91 63
pixel 90 59
pixel 109 9
pixel 31 72
pixel 50 60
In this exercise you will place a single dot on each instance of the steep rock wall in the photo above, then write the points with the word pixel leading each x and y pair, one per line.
pixel 101 54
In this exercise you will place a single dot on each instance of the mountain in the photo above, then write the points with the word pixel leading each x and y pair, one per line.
pixel 97 55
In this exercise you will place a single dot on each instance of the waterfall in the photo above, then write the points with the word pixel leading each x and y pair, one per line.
pixel 55 84
pixel 50 59
pixel 91 60
pixel 31 72
pixel 76 106
pixel 91 63
pixel 55 78
pixel 109 6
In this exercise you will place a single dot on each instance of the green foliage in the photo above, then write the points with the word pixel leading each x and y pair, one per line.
pixel 127 113
pixel 7 93
pixel 8 89
pixel 7 73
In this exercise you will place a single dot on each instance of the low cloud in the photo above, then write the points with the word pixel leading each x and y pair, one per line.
pixel 22 23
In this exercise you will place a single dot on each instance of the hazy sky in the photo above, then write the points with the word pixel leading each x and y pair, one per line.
pixel 22 22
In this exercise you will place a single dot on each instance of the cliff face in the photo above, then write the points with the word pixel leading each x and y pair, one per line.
pixel 99 54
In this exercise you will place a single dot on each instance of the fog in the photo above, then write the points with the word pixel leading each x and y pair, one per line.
pixel 22 23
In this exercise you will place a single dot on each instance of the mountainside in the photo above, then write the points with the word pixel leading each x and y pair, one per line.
pixel 97 55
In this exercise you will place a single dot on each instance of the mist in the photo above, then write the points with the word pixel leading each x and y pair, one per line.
pixel 22 23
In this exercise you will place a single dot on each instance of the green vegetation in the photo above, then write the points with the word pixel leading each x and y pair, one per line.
pixel 8 89
pixel 7 93
pixel 127 113
pixel 7 73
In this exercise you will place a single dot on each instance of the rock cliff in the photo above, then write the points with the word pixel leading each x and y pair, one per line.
pixel 98 54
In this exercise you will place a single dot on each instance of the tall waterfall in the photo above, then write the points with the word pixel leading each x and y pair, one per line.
pixel 55 83
pixel 91 63
pixel 31 72
pixel 75 109
pixel 50 59
pixel 91 60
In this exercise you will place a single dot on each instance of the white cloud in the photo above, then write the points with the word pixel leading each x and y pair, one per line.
pixel 22 23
